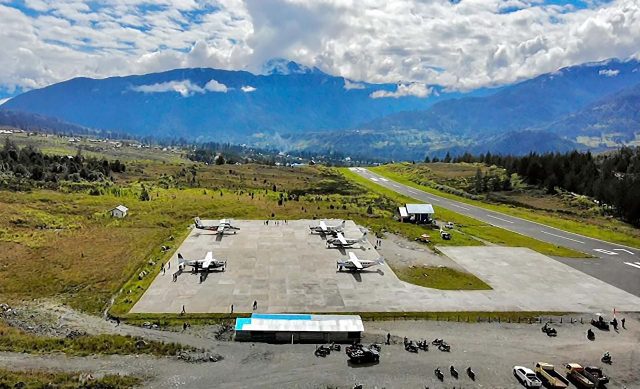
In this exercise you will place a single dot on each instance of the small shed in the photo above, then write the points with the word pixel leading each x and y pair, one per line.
pixel 416 213
pixel 120 211
pixel 299 328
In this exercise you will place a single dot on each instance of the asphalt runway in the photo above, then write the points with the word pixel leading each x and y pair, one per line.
pixel 614 264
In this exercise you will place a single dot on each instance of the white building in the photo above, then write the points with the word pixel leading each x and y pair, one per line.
pixel 120 211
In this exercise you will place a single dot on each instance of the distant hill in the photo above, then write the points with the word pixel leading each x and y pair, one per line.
pixel 531 103
pixel 211 104
pixel 33 122
pixel 611 121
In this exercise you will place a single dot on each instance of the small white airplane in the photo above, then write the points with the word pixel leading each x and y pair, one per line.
pixel 223 225
pixel 206 264
pixel 341 241
pixel 354 264
pixel 323 228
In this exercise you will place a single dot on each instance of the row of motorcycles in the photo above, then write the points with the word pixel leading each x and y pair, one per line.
pixel 454 373
pixel 323 351
pixel 423 345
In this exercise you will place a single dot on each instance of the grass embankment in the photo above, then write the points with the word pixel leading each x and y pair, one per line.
pixel 33 379
pixel 441 278
pixel 15 340
pixel 468 227
pixel 607 229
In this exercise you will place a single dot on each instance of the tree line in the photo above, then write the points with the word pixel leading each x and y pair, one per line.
pixel 613 179
pixel 29 163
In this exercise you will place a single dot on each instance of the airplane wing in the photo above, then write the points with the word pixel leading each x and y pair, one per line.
pixel 207 260
pixel 342 239
pixel 353 259
pixel 323 226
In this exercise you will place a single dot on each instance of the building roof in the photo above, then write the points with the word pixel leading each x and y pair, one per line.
pixel 300 323
pixel 403 211
pixel 121 208
pixel 419 208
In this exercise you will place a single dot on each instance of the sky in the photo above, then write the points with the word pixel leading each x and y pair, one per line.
pixel 459 44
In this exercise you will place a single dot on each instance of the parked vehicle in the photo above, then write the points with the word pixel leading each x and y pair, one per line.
pixel 575 374
pixel 606 358
pixel 548 375
pixel 600 323
pixel 322 351
pixel 411 347
pixel 424 238
pixel 449 225
pixel 445 235
pixel 471 373
pixel 444 346
pixel 361 354
pixel 438 373
pixel 596 375
pixel 526 377
pixel 550 331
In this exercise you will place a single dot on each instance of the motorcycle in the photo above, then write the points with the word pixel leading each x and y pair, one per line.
pixel 453 371
pixel 606 358
pixel 423 345
pixel 411 347
pixel 471 373
pixel 591 335
pixel 335 347
pixel 550 331
pixel 375 346
pixel 437 342
pixel 439 374
pixel 322 351
pixel 444 347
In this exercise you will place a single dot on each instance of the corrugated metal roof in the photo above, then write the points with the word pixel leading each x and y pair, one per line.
pixel 419 208
pixel 122 208
pixel 300 323
pixel 403 212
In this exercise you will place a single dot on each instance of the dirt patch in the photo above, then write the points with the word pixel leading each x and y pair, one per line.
pixel 400 252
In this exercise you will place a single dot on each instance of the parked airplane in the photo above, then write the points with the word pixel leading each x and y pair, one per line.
pixel 207 264
pixel 323 228
pixel 354 264
pixel 341 241
pixel 223 225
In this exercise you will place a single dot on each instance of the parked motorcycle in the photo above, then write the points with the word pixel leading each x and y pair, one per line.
pixel 439 374
pixel 453 371
pixel 471 373
pixel 444 347
pixel 591 335
pixel 550 331
pixel 322 351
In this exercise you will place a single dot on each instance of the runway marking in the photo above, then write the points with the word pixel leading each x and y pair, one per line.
pixel 637 264
pixel 499 218
pixel 563 237
pixel 603 251
pixel 374 179
pixel 384 179
pixel 460 206
pixel 625 250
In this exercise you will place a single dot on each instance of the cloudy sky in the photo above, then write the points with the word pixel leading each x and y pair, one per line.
pixel 461 44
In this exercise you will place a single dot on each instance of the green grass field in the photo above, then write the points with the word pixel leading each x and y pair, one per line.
pixel 607 229
pixel 469 227
pixel 440 278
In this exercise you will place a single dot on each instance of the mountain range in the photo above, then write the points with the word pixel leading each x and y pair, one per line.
pixel 290 106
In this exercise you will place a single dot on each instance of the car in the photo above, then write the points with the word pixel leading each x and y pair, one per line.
pixel 445 235
pixel 449 225
pixel 526 377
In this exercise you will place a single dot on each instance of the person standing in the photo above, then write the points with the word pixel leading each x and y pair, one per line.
pixel 232 308
pixel 622 322
pixel 388 338
pixel 183 310
pixel 255 304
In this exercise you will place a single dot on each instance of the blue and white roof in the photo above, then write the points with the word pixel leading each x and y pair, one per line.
pixel 300 323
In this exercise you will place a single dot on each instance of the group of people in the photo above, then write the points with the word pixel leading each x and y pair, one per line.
pixel 276 222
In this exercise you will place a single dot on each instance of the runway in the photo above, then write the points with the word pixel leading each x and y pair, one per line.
pixel 614 264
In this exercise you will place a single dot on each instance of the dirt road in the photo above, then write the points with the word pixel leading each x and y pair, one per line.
pixel 490 348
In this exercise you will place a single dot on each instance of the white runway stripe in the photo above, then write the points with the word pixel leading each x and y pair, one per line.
pixel 563 237
pixel 499 218
pixel 637 264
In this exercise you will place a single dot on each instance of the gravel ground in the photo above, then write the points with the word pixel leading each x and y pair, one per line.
pixel 490 348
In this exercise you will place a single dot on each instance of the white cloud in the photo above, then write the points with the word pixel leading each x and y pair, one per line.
pixel 460 45
pixel 248 89
pixel 348 85
pixel 215 86
pixel 609 72
pixel 402 90
pixel 185 88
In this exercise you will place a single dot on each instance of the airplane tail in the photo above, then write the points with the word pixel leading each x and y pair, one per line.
pixel 344 223
pixel 364 237
pixel 198 222
pixel 181 259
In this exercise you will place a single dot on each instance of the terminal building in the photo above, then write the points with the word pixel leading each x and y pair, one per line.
pixel 299 328
pixel 416 213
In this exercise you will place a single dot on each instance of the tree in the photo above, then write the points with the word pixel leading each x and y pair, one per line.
pixel 427 159
pixel 447 158
pixel 478 181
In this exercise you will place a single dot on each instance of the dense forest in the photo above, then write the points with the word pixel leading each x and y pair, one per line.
pixel 612 178
pixel 29 164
